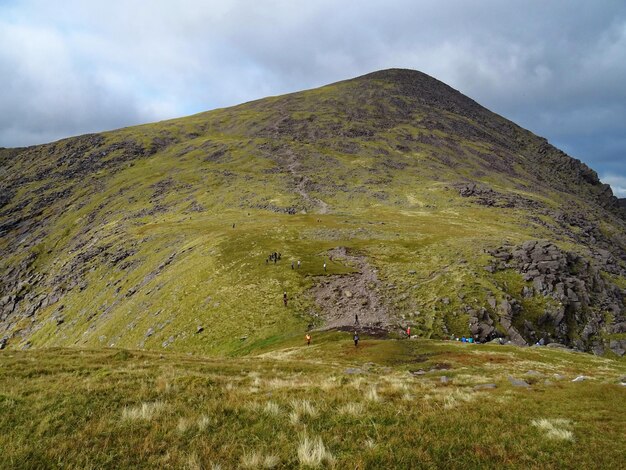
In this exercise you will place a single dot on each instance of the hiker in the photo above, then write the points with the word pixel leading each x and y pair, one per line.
pixel 233 225
pixel 298 264
pixel 308 339
pixel 324 267
pixel 285 298
pixel 356 340
pixel 408 332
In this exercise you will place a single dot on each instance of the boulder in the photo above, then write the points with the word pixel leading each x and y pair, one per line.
pixel 618 347
pixel 518 382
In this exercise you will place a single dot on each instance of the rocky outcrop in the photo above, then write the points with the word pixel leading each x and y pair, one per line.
pixel 486 196
pixel 583 306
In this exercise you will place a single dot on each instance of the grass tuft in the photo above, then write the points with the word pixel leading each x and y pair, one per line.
pixel 258 460
pixel 555 428
pixel 313 453
pixel 271 408
pixel 145 411
pixel 351 409
pixel 372 395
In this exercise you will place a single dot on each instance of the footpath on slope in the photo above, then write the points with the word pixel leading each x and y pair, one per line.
pixel 352 301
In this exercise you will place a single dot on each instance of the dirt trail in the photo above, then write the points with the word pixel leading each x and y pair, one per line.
pixel 342 298
pixel 293 166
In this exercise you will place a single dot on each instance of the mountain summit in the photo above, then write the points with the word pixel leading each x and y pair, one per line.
pixel 376 203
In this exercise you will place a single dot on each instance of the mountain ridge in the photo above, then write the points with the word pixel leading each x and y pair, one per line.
pixel 114 237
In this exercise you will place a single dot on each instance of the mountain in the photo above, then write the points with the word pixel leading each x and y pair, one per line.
pixel 427 209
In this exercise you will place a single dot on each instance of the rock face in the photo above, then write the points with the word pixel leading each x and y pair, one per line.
pixel 582 303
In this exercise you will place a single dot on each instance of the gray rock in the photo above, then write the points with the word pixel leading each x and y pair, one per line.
pixel 534 373
pixel 354 370
pixel 618 346
pixel 200 329
pixel 150 332
pixel 518 382
pixel 580 378
pixel 444 380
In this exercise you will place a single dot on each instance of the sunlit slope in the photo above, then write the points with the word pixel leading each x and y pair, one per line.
pixel 401 402
pixel 157 236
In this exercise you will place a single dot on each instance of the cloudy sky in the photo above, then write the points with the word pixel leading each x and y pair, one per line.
pixel 556 67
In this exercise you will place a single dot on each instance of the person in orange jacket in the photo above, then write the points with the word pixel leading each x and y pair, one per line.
pixel 308 339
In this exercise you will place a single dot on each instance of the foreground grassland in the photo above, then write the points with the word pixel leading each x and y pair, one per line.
pixel 385 404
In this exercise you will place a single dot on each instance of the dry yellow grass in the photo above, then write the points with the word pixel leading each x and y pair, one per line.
pixel 145 411
pixel 313 453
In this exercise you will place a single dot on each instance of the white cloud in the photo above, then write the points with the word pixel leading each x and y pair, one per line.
pixel 71 66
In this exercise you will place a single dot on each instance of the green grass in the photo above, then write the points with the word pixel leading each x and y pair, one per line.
pixel 392 198
pixel 329 404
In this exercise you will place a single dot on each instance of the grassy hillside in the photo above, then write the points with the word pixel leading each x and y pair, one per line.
pixel 156 237
pixel 385 404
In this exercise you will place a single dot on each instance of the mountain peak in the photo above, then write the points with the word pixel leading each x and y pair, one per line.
pixel 373 183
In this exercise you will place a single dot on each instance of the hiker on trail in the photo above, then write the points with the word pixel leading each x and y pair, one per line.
pixel 408 332
pixel 356 340
pixel 308 339
pixel 285 298
pixel 324 267
pixel 298 264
